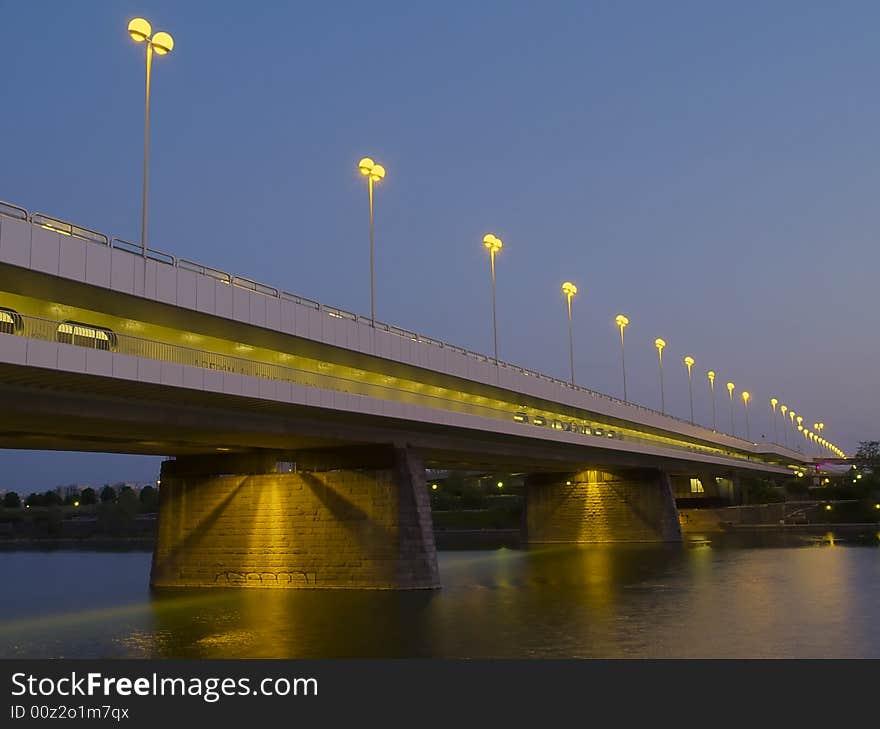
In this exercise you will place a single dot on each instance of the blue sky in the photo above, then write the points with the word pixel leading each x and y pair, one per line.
pixel 708 169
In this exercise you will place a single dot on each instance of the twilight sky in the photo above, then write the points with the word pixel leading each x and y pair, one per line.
pixel 711 170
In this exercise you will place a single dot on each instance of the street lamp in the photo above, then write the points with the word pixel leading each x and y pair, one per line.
pixel 660 343
pixel 622 322
pixel 711 375
pixel 784 409
pixel 493 244
pixel 569 289
pixel 374 173
pixel 773 403
pixel 159 43
pixel 745 397
pixel 689 363
pixel 730 388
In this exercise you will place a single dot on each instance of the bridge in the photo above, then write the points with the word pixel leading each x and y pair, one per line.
pixel 299 433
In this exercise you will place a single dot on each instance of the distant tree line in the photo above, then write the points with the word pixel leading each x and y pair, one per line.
pixel 146 501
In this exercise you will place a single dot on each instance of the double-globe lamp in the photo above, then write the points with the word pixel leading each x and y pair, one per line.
pixel 493 244
pixel 160 43
pixel 660 344
pixel 622 322
pixel 374 174
pixel 569 290
pixel 689 363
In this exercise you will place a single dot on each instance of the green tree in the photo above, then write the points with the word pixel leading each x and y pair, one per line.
pixel 51 498
pixel 11 500
pixel 149 499
pixel 88 496
pixel 34 500
pixel 108 494
pixel 54 520
pixel 117 518
pixel 868 454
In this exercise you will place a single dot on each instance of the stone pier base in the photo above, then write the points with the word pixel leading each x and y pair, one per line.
pixel 250 521
pixel 591 506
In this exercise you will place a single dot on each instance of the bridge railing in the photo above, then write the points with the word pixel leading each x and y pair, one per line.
pixel 214 273
pixel 68 229
pixel 151 254
pixel 14 211
pixel 589 430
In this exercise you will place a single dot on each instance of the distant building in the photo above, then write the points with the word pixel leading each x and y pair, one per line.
pixel 70 491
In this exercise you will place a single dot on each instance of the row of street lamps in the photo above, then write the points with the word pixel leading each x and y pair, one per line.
pixel 569 290
pixel 161 43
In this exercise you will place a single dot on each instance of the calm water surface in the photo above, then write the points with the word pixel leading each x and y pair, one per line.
pixel 703 599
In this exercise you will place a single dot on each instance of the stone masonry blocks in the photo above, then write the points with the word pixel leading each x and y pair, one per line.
pixel 598 506
pixel 246 527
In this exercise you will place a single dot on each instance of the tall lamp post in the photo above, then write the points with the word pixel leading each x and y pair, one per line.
pixel 660 343
pixel 773 403
pixel 622 323
pixel 730 388
pixel 711 375
pixel 689 363
pixel 817 429
pixel 745 397
pixel 791 416
pixel 159 43
pixel 374 174
pixel 493 244
pixel 783 409
pixel 569 289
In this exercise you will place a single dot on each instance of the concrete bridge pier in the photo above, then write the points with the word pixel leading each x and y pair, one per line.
pixel 601 506
pixel 331 519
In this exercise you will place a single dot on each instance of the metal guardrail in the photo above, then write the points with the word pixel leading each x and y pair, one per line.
pixel 68 229
pixel 301 300
pixel 214 273
pixel 13 211
pixel 151 254
pixel 87 336
pixel 65 228
pixel 250 285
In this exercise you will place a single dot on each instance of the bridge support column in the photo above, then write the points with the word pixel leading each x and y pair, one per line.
pixel 251 521
pixel 590 506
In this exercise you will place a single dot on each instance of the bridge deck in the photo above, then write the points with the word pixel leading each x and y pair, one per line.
pixel 168 321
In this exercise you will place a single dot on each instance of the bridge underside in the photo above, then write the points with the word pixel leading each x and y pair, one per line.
pixel 274 495
pixel 55 410
pixel 361 518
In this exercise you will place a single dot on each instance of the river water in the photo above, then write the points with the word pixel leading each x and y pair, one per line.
pixel 814 597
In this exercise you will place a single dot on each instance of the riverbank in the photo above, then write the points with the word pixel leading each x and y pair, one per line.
pixel 466 530
pixel 89 544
